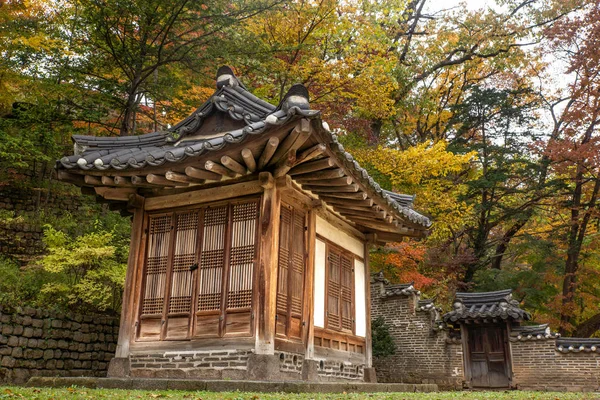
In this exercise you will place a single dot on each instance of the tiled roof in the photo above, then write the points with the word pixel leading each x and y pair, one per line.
pixel 180 142
pixel 575 345
pixel 400 289
pixel 532 332
pixel 487 305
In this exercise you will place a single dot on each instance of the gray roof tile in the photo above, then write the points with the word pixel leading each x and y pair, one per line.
pixel 176 144
pixel 486 305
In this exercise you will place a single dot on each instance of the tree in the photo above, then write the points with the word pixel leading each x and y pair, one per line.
pixel 135 50
pixel 574 151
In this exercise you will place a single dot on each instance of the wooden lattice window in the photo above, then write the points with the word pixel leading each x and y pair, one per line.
pixel 340 290
pixel 290 276
pixel 199 272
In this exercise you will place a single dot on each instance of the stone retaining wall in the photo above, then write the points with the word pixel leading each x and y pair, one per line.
pixel 24 239
pixel 42 343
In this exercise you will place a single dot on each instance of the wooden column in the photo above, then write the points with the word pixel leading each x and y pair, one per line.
pixel 368 339
pixel 128 315
pixel 311 243
pixel 267 276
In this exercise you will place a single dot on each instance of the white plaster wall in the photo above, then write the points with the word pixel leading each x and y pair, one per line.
pixel 360 306
pixel 339 237
pixel 319 295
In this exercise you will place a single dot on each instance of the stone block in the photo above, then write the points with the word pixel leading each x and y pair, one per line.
pixel 8 362
pixel 310 370
pixel 17 352
pixel 28 332
pixel 263 367
pixel 369 375
pixel 48 354
pixel 13 341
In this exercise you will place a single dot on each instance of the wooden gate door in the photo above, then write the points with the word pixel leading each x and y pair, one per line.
pixel 488 357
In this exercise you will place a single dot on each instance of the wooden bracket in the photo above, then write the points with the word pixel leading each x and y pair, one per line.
pixel 266 180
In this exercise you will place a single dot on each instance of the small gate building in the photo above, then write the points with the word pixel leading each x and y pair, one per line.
pixel 249 247
pixel 485 321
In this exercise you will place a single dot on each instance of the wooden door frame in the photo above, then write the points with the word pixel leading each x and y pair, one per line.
pixel 464 333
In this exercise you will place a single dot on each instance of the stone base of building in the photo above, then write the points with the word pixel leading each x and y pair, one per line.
pixel 229 385
pixel 119 368
pixel 237 365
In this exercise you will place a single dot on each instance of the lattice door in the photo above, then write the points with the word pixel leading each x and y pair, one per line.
pixel 242 258
pixel 285 236
pixel 211 268
pixel 182 278
pixel 157 261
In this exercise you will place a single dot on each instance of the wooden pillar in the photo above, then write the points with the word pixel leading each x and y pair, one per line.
pixel 310 284
pixel 368 339
pixel 267 276
pixel 119 366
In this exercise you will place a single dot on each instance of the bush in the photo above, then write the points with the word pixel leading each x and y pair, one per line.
pixel 382 341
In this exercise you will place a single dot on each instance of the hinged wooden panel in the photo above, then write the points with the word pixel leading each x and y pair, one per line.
pixel 199 273
pixel 340 290
pixel 159 238
pixel 242 260
pixel 290 275
pixel 184 265
pixel 211 268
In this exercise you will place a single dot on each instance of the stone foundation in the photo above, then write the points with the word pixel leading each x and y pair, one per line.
pixel 240 364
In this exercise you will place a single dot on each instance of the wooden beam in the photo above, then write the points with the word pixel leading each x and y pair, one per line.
pixel 368 339
pixel 219 169
pixel 203 195
pixel 135 201
pixel 347 202
pixel 351 196
pixel 326 174
pixel 177 177
pixel 312 166
pixel 346 180
pixel 125 181
pixel 285 164
pixel 92 180
pixel 269 251
pixel 267 152
pixel 71 178
pixel 198 173
pixel 366 212
pixel 128 311
pixel 249 160
pixel 311 153
pixel 140 181
pixel 233 165
pixel 120 194
pixel 352 188
pixel 294 140
pixel 108 181
pixel 160 180
pixel 350 207
pixel 309 303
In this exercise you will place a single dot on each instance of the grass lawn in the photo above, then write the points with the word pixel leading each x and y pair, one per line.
pixel 83 393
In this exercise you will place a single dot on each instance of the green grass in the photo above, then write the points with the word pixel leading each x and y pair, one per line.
pixel 83 393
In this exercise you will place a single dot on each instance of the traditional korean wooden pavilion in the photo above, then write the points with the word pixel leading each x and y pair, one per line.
pixel 249 246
